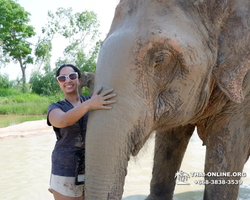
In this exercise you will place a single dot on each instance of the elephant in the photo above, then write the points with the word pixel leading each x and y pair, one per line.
pixel 175 66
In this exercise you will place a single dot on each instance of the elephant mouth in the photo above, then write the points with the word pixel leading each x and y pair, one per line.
pixel 168 104
pixel 162 108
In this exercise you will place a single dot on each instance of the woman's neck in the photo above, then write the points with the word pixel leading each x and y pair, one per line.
pixel 73 99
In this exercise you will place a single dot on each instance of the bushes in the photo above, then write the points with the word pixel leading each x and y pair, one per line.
pixel 44 84
pixel 7 92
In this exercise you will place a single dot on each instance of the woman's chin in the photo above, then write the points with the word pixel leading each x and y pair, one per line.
pixel 70 91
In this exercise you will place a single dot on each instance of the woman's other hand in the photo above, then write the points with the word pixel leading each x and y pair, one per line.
pixel 100 100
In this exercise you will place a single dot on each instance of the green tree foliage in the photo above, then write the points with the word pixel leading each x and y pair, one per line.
pixel 43 51
pixel 81 33
pixel 5 82
pixel 45 84
pixel 3 58
pixel 14 32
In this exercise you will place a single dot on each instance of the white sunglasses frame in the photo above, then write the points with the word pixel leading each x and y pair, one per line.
pixel 67 76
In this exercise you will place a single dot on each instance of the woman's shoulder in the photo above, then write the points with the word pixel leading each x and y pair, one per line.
pixel 63 105
pixel 85 98
pixel 58 103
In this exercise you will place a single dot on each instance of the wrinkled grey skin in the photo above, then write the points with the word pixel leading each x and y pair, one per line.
pixel 175 65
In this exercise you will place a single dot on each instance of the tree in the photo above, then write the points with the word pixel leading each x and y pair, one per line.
pixel 82 35
pixel 14 32
pixel 80 30
pixel 3 58
pixel 43 51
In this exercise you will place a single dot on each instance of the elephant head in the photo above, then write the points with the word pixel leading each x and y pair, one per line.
pixel 167 60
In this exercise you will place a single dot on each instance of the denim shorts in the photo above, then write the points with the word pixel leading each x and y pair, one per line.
pixel 65 186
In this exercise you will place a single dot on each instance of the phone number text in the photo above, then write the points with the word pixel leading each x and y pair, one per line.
pixel 218 182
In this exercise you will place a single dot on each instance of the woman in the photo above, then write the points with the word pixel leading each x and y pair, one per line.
pixel 69 119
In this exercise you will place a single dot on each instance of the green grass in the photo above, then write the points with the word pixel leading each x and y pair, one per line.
pixel 13 102
pixel 7 120
pixel 25 108
pixel 16 107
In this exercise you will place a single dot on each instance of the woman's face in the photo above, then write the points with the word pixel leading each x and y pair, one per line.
pixel 69 86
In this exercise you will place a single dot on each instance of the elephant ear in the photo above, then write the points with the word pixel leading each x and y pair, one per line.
pixel 234 53
pixel 230 79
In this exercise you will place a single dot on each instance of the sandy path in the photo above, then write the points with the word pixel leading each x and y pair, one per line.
pixel 26 129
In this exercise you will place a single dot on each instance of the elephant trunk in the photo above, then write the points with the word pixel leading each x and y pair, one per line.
pixel 107 155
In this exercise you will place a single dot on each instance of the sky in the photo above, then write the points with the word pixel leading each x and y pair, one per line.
pixel 39 8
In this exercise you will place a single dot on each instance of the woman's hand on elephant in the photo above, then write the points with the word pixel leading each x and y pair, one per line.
pixel 100 100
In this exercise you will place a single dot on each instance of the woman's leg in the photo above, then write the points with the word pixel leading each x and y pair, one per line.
pixel 58 196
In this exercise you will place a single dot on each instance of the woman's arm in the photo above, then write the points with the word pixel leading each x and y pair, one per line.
pixel 61 119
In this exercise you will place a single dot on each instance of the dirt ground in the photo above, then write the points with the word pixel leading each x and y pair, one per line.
pixel 26 129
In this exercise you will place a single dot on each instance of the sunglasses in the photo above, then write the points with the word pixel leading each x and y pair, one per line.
pixel 72 76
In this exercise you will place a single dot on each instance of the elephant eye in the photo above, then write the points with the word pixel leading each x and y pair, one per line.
pixel 163 57
pixel 159 59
